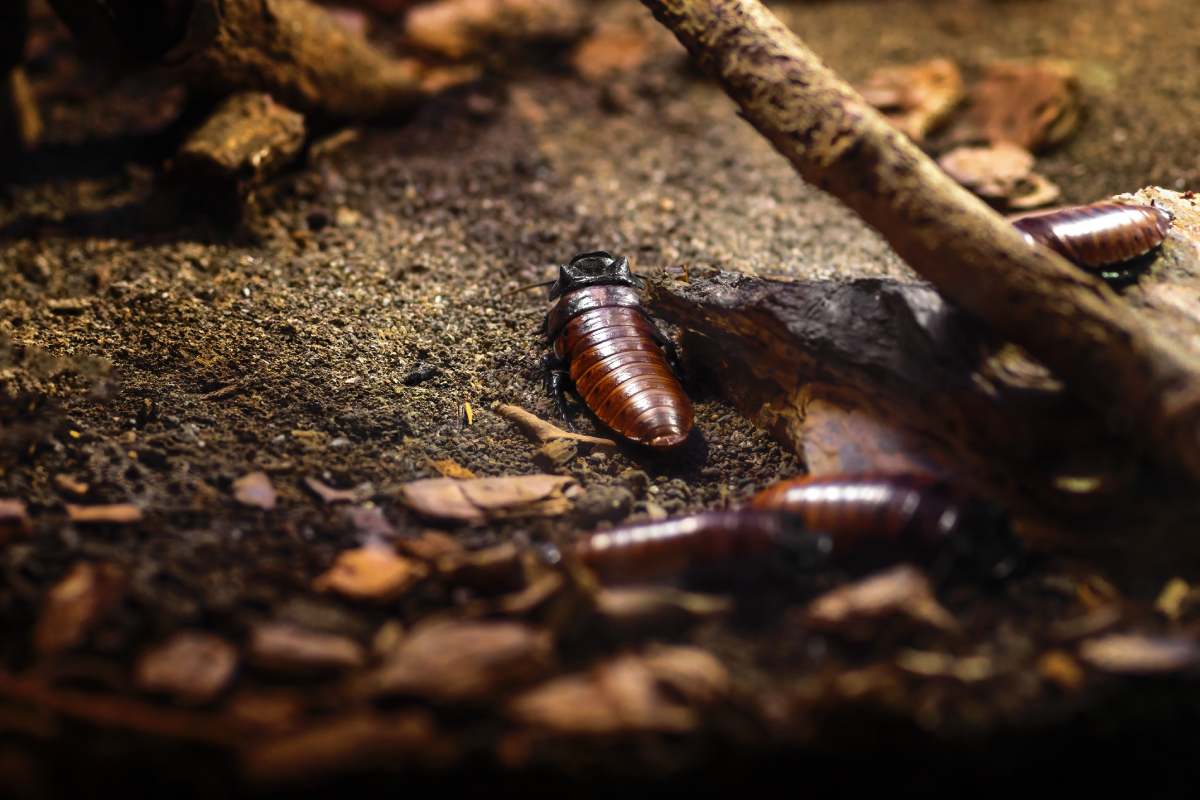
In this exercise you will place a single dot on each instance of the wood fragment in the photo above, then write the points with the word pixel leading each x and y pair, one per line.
pixel 899 592
pixel 248 138
pixel 76 604
pixel 192 666
pixel 71 484
pixel 21 125
pixel 459 29
pixel 254 489
pixel 482 499
pixel 540 430
pixel 114 514
pixel 1070 321
pixel 1137 654
pixel 330 495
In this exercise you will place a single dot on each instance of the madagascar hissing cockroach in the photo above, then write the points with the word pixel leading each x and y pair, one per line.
pixel 905 513
pixel 673 546
pixel 1097 235
pixel 605 344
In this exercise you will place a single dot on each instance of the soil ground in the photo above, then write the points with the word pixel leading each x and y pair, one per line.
pixel 340 331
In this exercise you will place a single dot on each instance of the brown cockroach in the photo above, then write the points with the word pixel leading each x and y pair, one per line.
pixel 1098 235
pixel 604 343
pixel 810 520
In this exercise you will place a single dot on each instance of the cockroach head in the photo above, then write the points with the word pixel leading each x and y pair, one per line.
pixel 593 269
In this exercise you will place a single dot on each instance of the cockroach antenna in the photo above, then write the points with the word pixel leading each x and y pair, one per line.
pixel 527 287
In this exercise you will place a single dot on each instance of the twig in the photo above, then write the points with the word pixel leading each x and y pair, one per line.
pixel 1069 320
pixel 542 431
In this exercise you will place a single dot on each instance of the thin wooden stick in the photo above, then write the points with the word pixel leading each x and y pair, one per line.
pixel 1145 384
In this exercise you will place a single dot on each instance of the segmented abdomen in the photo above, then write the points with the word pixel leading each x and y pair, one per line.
pixel 856 509
pixel 1099 234
pixel 672 546
pixel 623 376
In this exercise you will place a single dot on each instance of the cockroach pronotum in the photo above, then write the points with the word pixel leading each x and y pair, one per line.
pixel 606 345
pixel 816 518
pixel 1098 235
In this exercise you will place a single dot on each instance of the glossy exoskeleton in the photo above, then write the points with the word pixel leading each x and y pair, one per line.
pixel 1100 235
pixel 604 343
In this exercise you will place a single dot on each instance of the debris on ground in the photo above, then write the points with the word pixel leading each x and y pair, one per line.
pixel 917 98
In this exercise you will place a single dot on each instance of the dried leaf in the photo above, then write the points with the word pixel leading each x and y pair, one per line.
pixel 899 592
pixel 14 520
pixel 454 661
pixel 1033 105
pixel 449 468
pixel 490 498
pixel 370 573
pixel 290 649
pixel 918 98
pixel 459 28
pixel 117 514
pixel 330 495
pixel 617 696
pixel 255 489
pixel 1137 654
pixel 75 604
pixel 191 666
pixel 609 51
pixel 1002 173
pixel 542 431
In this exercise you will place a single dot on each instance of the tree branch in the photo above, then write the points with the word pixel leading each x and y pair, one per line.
pixel 1071 321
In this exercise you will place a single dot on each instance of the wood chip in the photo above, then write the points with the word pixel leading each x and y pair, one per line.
pixel 69 484
pixel 690 672
pixel 917 98
pixel 899 592
pixel 621 695
pixel 293 650
pixel 430 546
pixel 75 605
pixel 478 500
pixel 642 610
pixel 14 520
pixel 1137 654
pixel 540 430
pixel 116 514
pixel 1032 104
pixel 255 490
pixel 371 573
pixel 453 661
pixel 191 666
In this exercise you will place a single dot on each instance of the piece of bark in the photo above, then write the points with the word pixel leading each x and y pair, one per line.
pixel 1032 104
pixel 247 139
pixel 1069 320
pixel 75 605
pixel 456 661
pixel 191 666
pixel 916 98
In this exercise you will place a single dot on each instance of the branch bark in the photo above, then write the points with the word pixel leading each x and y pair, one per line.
pixel 1076 325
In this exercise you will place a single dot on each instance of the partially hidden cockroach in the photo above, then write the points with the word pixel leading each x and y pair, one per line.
pixel 913 511
pixel 815 518
pixel 613 353
pixel 1097 235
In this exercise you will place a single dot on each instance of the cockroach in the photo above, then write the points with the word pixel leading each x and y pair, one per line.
pixel 810 520
pixel 1098 235
pixel 673 546
pixel 605 344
